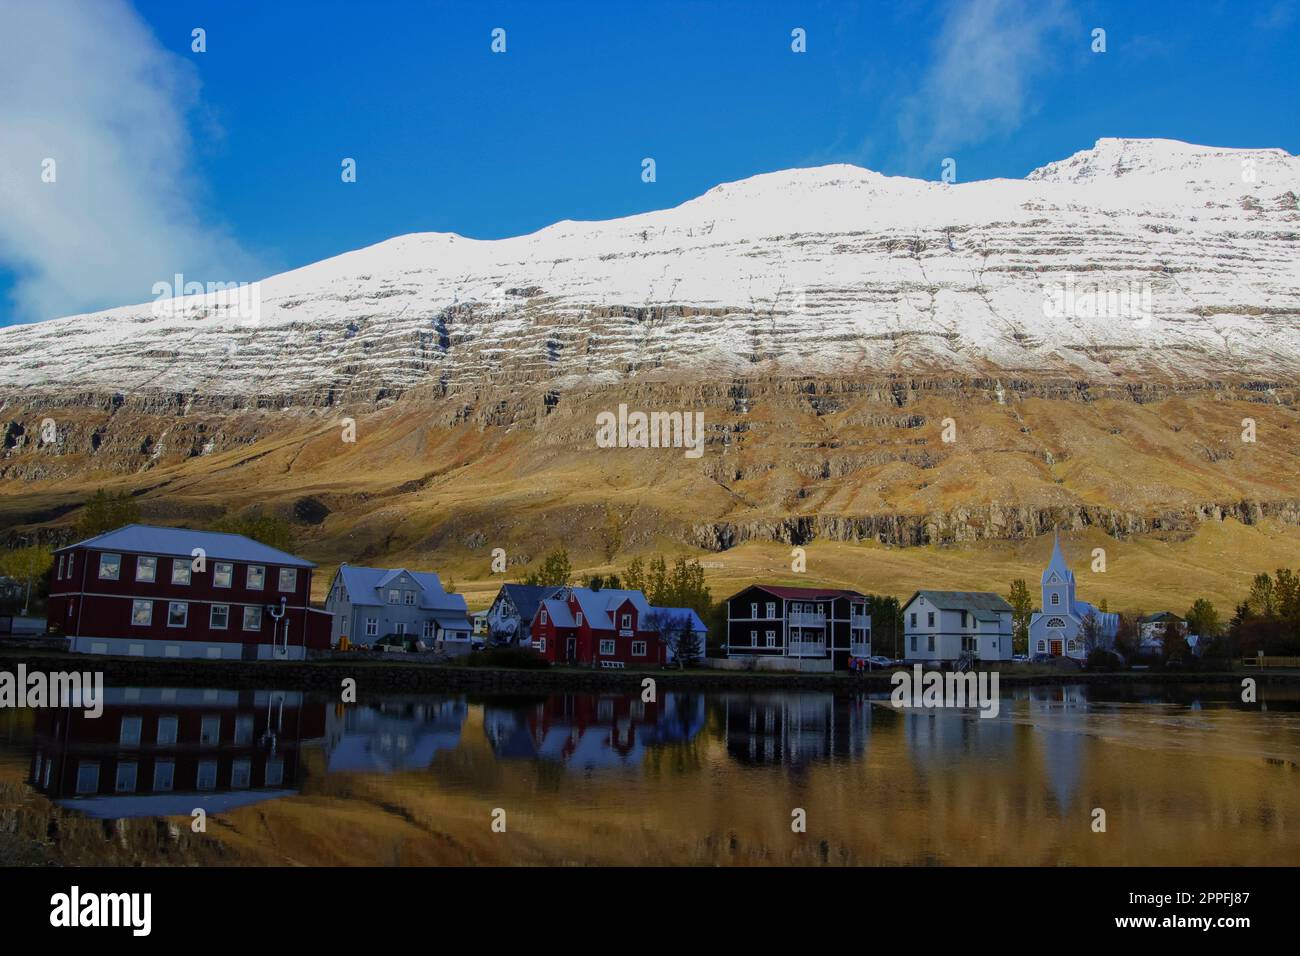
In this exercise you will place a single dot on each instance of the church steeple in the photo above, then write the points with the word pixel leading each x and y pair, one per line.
pixel 1058 581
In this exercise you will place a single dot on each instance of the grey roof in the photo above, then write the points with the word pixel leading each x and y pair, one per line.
pixel 181 542
pixel 558 612
pixel 596 605
pixel 364 588
pixel 962 600
pixel 675 617
pixel 526 597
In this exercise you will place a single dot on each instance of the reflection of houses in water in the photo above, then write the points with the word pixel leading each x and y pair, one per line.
pixel 394 734
pixel 157 752
pixel 592 731
pixel 1062 740
pixel 938 734
pixel 794 728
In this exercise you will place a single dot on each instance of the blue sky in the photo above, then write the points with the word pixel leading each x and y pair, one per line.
pixel 225 164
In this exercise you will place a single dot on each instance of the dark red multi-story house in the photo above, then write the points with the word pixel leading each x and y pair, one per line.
pixel 147 591
pixel 812 627
pixel 606 628
pixel 158 751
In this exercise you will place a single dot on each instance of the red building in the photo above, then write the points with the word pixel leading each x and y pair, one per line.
pixel 606 628
pixel 147 591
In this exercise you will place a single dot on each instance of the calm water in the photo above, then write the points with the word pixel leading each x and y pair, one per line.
pixel 1184 775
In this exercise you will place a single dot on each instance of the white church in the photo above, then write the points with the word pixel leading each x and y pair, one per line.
pixel 1057 628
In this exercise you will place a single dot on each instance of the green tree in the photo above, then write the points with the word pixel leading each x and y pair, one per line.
pixel 886 624
pixel 106 511
pixel 634 576
pixel 1022 609
pixel 27 564
pixel 1203 619
pixel 1263 600
pixel 555 572
pixel 271 530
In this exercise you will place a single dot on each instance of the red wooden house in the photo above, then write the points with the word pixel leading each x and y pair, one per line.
pixel 147 591
pixel 606 628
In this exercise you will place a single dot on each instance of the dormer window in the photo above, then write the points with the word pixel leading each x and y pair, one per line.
pixel 578 618
pixel 627 620
pixel 543 616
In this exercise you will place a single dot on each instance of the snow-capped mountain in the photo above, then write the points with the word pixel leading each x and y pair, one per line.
pixel 1133 259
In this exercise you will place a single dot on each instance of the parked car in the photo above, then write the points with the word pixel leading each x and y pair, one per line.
pixel 877 662
pixel 1019 658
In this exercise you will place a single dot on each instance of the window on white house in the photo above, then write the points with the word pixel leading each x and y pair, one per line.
pixel 110 566
pixel 409 598
pixel 180 571
pixel 638 648
pixel 428 629
pixel 164 774
pixel 963 618
pixel 401 627
pixel 146 569
pixel 394 596
pixel 930 644
pixel 178 614
pixel 252 618
pixel 219 617
pixel 914 619
pixel 929 618
pixel 223 574
pixel 167 729
pixel 372 627
pixel 771 638
pixel 913 642
pixel 289 579
pixel 130 733
pixel 141 613
pixel 256 577
pixel 607 647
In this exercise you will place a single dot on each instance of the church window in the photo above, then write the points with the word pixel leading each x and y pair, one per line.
pixel 1056 598
pixel 1055 622
pixel 1042 646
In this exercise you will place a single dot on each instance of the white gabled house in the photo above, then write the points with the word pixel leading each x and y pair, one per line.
pixel 370 604
pixel 943 625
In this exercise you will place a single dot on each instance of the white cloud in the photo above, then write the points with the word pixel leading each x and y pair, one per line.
pixel 87 85
pixel 986 57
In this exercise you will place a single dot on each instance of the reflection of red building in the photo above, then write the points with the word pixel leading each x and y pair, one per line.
pixel 165 751
pixel 584 731
pixel 173 592
pixel 607 628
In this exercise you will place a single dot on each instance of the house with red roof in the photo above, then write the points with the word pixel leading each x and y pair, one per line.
pixel 778 626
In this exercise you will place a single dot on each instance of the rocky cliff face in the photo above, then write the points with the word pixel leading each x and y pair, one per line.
pixel 1096 334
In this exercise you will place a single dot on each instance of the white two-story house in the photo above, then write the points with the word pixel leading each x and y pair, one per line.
pixel 942 625
pixel 374 603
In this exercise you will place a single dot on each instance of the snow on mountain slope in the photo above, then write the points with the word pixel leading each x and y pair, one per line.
pixel 831 270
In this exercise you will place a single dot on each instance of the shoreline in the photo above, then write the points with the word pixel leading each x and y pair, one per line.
pixel 379 676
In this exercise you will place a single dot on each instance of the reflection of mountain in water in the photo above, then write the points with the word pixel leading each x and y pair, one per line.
pixel 395 735
pixel 158 752
pixel 592 731
pixel 792 729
